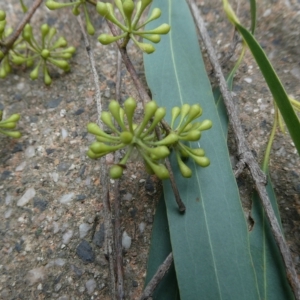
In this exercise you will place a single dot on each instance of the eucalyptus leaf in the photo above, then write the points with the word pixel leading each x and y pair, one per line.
pixel 210 242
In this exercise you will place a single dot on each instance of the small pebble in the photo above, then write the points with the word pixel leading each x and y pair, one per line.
pixel 126 241
pixel 67 236
pixel 30 152
pixel 142 227
pixel 64 133
pixel 99 236
pixel 29 194
pixel 21 166
pixel 8 199
pixel 248 79
pixel 90 286
pixel 127 197
pixel 84 228
pixel 35 275
pixel 8 213
pixel 53 103
pixel 63 113
pixel 55 176
pixel 85 252
pixel 65 199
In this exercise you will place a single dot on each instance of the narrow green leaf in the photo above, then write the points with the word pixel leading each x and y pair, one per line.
pixel 159 250
pixel 279 94
pixel 210 242
pixel 253 15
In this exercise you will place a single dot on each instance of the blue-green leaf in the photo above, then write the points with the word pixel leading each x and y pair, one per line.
pixel 210 242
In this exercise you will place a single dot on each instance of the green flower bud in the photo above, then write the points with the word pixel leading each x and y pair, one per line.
pixel 45 29
pixel 2 15
pixel 3 73
pixel 2 26
pixel 147 48
pixel 65 55
pixel 47 78
pixel 98 148
pixel 70 50
pixel 192 136
pixel 197 152
pixel 62 64
pixel 195 112
pixel 154 38
pixel 75 10
pixel 60 43
pixel 160 152
pixel 18 60
pixel 170 139
pixel 126 137
pixel 52 5
pixel 150 110
pixel 102 9
pixel 45 53
pixel 106 39
pixel 175 113
pixel 29 62
pixel 161 171
pixel 205 125
pixel 115 172
pixel 27 33
pixel 202 161
pixel 13 134
pixel 184 153
pixel 155 14
pixel 144 4
pixel 6 66
pixel 184 169
pixel 92 155
pixel 162 29
pixel 89 27
pixel 34 74
pixel 106 118
pixel 129 107
pixel 128 7
pixel 12 118
pixel 8 125
pixel 1 54
pixel 148 168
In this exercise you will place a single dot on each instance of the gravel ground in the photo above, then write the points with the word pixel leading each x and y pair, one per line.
pixel 52 232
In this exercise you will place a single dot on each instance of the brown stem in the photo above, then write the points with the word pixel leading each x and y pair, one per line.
pixel 158 276
pixel 246 157
pixel 109 240
pixel 13 37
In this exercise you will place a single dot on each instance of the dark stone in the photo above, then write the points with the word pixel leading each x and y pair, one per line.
pixel 111 84
pixel 79 111
pixel 133 212
pixel 5 175
pixel 85 252
pixel 149 186
pixel 40 203
pixel 297 188
pixel 74 134
pixel 17 148
pixel 81 171
pixel 18 97
pixel 62 167
pixel 102 78
pixel 99 236
pixel 80 197
pixel 33 119
pixel 18 247
pixel 134 283
pixel 53 103
pixel 78 272
pixel 49 151
pixel 263 124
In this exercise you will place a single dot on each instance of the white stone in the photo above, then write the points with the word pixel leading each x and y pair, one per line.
pixel 62 112
pixel 21 166
pixel 142 227
pixel 29 194
pixel 55 176
pixel 67 236
pixel 64 133
pixel 65 199
pixel 8 213
pixel 35 275
pixel 126 240
pixel 30 152
pixel 84 228
pixel 8 199
pixel 90 286
pixel 248 79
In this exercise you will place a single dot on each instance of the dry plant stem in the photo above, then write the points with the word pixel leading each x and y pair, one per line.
pixel 246 156
pixel 13 37
pixel 116 191
pixel 145 98
pixel 109 243
pixel 157 277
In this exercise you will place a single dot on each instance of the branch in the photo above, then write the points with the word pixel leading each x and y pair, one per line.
pixel 109 243
pixel 158 276
pixel 246 157
pixel 13 37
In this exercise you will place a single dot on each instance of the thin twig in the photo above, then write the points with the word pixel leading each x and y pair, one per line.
pixel 158 276
pixel 13 37
pixel 246 157
pixel 109 243
pixel 116 192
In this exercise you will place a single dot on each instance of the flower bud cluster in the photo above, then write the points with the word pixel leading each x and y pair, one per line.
pixel 8 124
pixel 46 52
pixel 53 5
pixel 131 14
pixel 143 137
